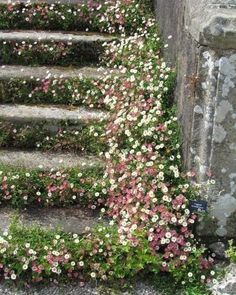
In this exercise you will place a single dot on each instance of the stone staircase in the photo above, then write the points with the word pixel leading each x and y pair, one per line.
pixel 87 47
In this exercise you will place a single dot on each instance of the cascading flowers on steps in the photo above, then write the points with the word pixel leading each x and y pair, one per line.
pixel 148 192
pixel 148 188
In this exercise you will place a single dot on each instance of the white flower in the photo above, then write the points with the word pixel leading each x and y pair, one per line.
pixel 132 78
pixel 190 275
pixel 163 241
pixel 67 256
pixel 168 235
pixel 93 275
pixel 13 276
pixel 165 189
pixel 25 266
pixel 174 219
pixel 183 257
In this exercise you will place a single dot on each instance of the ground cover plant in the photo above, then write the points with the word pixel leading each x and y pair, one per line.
pixel 110 16
pixel 231 252
pixel 21 188
pixel 165 285
pixel 83 139
pixel 147 190
pixel 49 53
pixel 56 90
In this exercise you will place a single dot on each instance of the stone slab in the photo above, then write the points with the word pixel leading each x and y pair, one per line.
pixel 212 22
pixel 203 48
pixel 73 37
pixel 213 139
pixel 226 285
pixel 23 72
pixel 50 113
pixel 73 220
pixel 34 160
pixel 92 288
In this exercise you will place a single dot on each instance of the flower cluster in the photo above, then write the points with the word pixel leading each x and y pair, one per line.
pixel 85 139
pixel 49 53
pixel 41 255
pixel 111 16
pixel 147 190
pixel 55 90
pixel 22 188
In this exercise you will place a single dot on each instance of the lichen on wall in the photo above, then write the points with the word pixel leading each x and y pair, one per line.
pixel 205 48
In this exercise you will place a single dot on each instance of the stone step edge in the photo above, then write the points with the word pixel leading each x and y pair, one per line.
pixel 40 36
pixel 50 113
pixel 90 288
pixel 47 160
pixel 71 219
pixel 42 72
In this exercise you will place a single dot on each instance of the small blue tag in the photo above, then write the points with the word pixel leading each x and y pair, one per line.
pixel 198 206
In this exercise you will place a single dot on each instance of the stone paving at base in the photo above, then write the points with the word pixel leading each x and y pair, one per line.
pixel 139 289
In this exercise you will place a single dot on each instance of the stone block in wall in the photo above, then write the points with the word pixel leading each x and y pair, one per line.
pixel 204 51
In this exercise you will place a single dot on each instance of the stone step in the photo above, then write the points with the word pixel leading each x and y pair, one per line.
pixel 51 48
pixel 51 128
pixel 55 85
pixel 73 219
pixel 64 15
pixel 50 114
pixel 46 160
pixel 42 36
pixel 92 288
pixel 23 72
pixel 37 188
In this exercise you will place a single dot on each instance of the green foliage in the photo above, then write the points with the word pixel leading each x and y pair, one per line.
pixel 22 188
pixel 231 252
pixel 166 285
pixel 78 17
pixel 42 254
pixel 50 53
pixel 74 91
pixel 83 139
pixel 148 192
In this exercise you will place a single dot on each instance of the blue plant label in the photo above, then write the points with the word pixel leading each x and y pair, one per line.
pixel 198 206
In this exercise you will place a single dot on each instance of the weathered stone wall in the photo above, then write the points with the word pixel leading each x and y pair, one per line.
pixel 204 51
